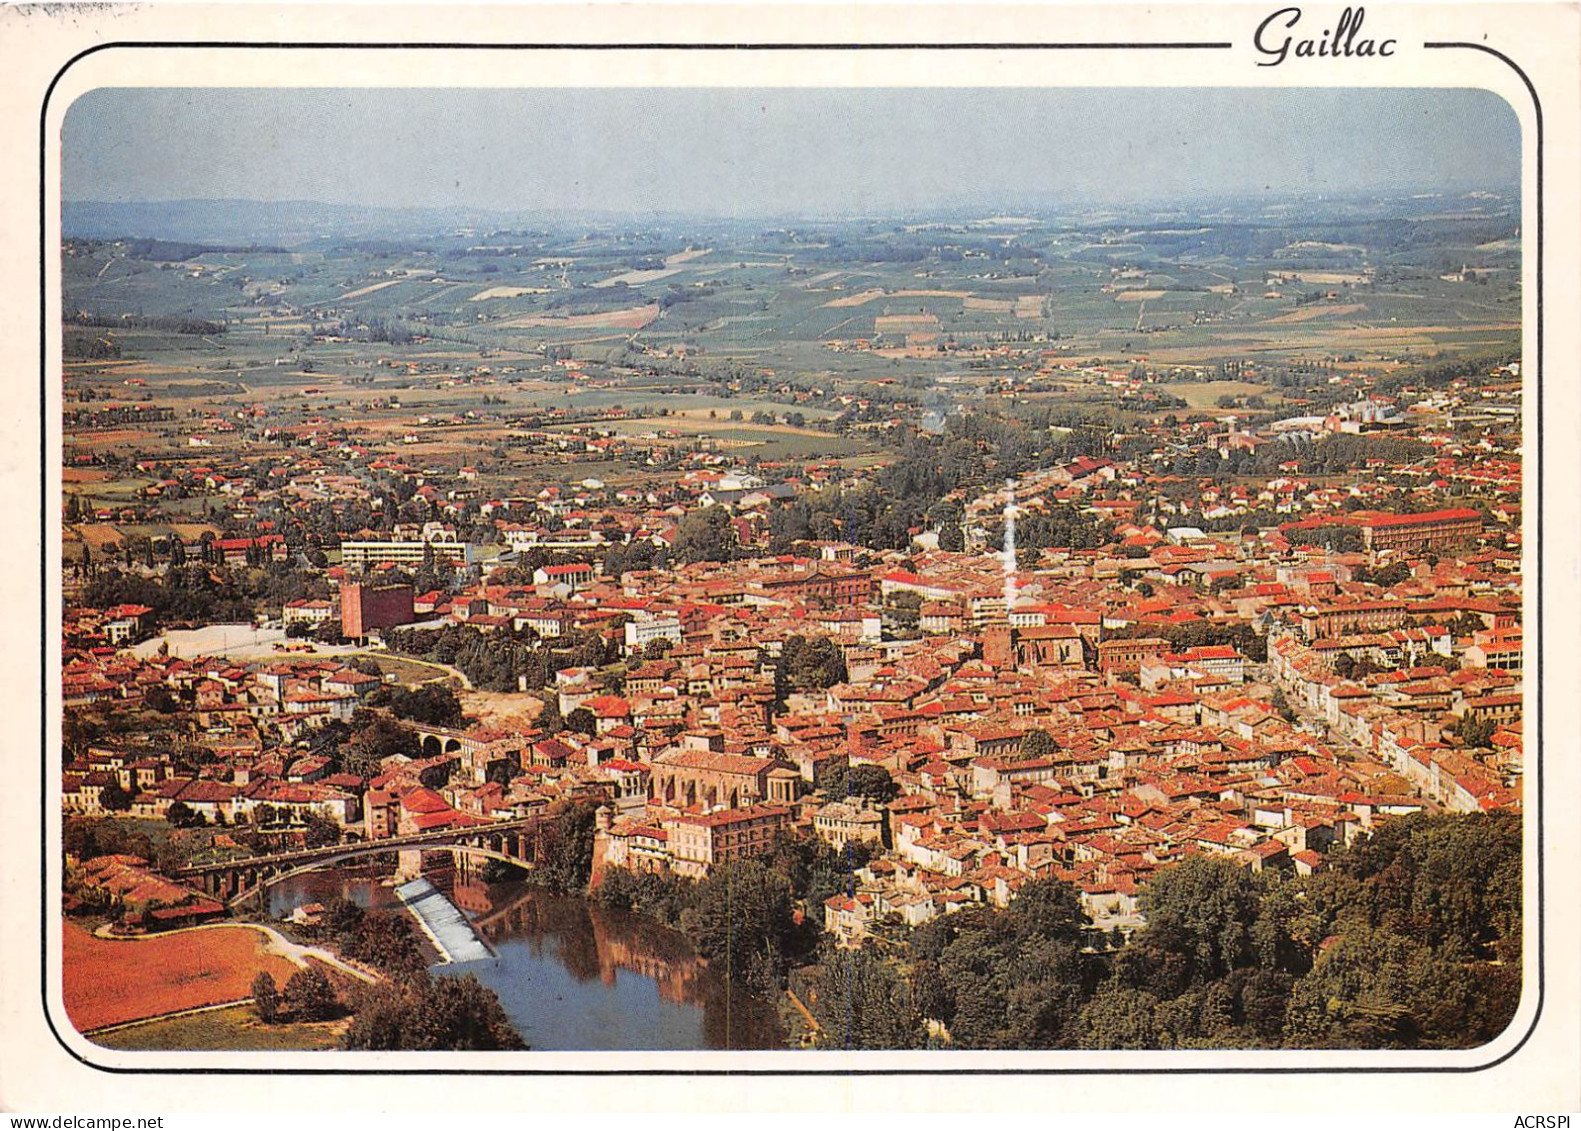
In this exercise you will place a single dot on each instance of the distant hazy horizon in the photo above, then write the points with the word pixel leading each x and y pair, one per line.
pixel 778 152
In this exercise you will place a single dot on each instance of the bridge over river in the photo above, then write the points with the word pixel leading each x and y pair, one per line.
pixel 514 841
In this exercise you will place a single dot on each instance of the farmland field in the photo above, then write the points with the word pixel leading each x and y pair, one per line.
pixel 451 350
pixel 630 318
pixel 1205 394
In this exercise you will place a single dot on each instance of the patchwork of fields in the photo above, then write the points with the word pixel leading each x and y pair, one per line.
pixel 443 349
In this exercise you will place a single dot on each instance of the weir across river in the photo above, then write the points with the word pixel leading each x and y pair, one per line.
pixel 442 921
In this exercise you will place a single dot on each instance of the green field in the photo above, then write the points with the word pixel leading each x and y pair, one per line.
pixel 233 1028
pixel 1205 394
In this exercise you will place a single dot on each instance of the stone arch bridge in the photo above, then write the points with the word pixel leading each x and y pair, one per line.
pixel 446 740
pixel 513 841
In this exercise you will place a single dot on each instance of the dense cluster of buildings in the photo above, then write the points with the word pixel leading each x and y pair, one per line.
pixel 1215 677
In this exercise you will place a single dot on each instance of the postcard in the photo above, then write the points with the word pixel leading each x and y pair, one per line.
pixel 923 557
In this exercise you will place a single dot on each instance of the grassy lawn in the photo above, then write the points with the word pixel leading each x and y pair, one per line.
pixel 404 670
pixel 234 1028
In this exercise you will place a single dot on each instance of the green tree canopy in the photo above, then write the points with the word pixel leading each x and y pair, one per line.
pixel 266 997
pixel 425 1012
pixel 1376 989
pixel 861 1002
pixel 1038 743
pixel 742 914
pixel 705 536
pixel 863 782
pixel 309 996
pixel 1203 909
pixel 812 663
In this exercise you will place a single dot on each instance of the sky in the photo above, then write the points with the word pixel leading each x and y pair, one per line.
pixel 761 152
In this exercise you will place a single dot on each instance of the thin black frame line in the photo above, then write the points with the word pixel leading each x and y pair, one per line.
pixel 44 516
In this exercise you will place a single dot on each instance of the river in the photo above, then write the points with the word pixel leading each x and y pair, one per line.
pixel 575 976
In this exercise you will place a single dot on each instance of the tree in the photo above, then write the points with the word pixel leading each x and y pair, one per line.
pixel 1048 909
pixel 657 649
pixel 374 738
pixel 118 800
pixel 809 664
pixel 87 837
pixel 78 732
pixel 705 536
pixel 743 912
pixel 1007 979
pixel 865 781
pixel 381 1018
pixel 182 815
pixel 501 771
pixel 384 940
pixel 549 718
pixel 582 721
pixel 1375 989
pixel 1477 732
pixel 433 704
pixel 462 1014
pixel 342 916
pixel 1467 624
pixel 266 997
pixel 904 609
pixel 861 1002
pixel 424 1012
pixel 321 830
pixel 1119 1017
pixel 565 849
pixel 309 995
pixel 1450 882
pixel 1202 909
pixel 1038 743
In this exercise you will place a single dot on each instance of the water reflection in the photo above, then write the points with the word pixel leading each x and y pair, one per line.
pixel 368 887
pixel 575 975
pixel 571 974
